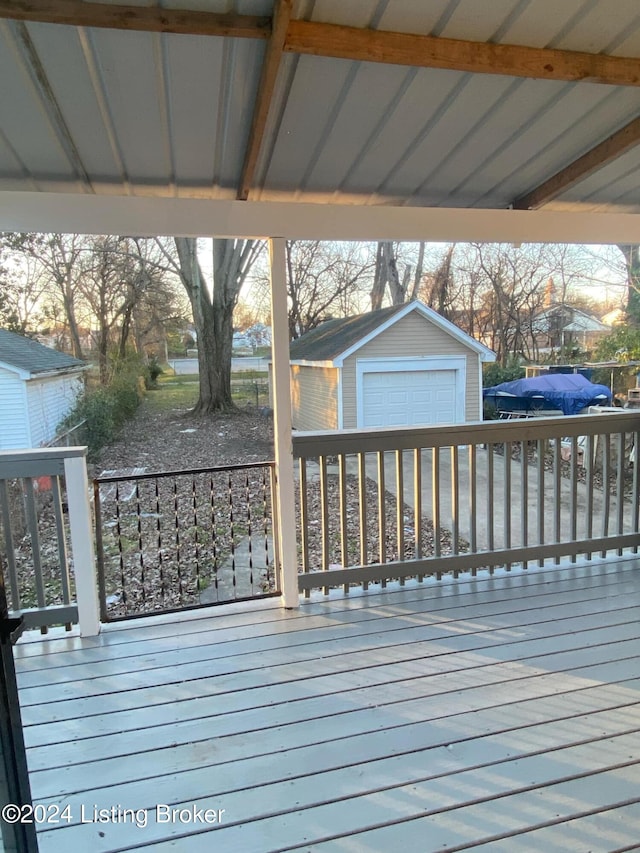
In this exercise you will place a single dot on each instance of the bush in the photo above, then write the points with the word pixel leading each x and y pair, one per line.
pixel 105 409
pixel 496 374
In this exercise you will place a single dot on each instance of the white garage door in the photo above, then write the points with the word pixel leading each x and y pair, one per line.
pixel 408 398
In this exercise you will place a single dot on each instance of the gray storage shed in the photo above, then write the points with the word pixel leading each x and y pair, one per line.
pixel 399 366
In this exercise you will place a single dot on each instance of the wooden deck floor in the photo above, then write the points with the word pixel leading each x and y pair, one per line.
pixel 501 714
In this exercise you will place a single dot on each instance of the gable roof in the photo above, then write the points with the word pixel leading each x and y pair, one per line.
pixel 30 357
pixel 335 340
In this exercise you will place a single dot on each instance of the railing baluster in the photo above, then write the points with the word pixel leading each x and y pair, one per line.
pixel 63 559
pixel 606 486
pixel 620 486
pixel 362 509
pixel 324 517
pixel 573 505
pixel 9 546
pixel 635 487
pixel 32 525
pixel 400 506
pixel 196 536
pixel 590 451
pixel 557 492
pixel 507 497
pixel 342 494
pixel 304 521
pixel 417 503
pixel 382 512
pixel 249 529
pixel 541 450
pixel 435 503
pixel 473 500
pixel 524 497
pixel 455 504
pixel 232 534
pixel 490 500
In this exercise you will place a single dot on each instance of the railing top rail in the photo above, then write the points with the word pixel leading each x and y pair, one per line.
pixel 328 443
pixel 152 475
pixel 37 461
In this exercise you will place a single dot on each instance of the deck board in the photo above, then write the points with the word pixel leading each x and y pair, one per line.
pixel 500 711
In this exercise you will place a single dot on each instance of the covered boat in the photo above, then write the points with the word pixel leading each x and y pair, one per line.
pixel 568 392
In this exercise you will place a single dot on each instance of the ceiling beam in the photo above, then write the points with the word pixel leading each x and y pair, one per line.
pixel 77 13
pixel 266 87
pixel 597 158
pixel 78 213
pixel 366 45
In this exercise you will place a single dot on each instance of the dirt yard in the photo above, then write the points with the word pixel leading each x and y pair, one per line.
pixel 173 439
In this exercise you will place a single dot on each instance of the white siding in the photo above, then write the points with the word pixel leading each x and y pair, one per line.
pixel 14 425
pixel 49 401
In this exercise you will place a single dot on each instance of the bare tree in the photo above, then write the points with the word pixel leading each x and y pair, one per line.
pixel 324 279
pixel 387 274
pixel 213 310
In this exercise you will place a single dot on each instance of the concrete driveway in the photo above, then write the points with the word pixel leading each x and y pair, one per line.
pixel 504 509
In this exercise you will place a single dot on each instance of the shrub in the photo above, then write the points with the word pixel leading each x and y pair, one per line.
pixel 105 409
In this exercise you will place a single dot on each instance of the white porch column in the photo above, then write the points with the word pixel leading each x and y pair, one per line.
pixel 281 377
pixel 84 558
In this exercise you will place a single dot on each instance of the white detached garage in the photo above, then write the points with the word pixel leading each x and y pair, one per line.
pixel 400 366
pixel 38 387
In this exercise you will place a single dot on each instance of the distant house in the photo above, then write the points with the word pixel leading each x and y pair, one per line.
pixel 38 387
pixel 560 326
pixel 400 366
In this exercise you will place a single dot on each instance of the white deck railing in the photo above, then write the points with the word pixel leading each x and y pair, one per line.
pixel 389 504
pixel 44 513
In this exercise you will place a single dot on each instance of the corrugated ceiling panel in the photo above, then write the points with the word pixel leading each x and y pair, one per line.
pixel 354 129
pixel 573 123
pixel 409 121
pixel 25 121
pixel 62 56
pixel 478 21
pixel 358 14
pixel 127 64
pixel 473 99
pixel 410 17
pixel 316 87
pixel 619 180
pixel 540 21
pixel 601 24
pixel 193 133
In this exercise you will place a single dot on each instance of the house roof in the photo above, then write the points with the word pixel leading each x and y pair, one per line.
pixel 579 320
pixel 450 103
pixel 30 357
pixel 334 340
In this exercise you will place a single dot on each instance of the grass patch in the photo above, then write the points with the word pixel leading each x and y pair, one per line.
pixel 173 392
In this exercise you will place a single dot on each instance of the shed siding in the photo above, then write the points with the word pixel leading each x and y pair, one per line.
pixel 411 337
pixel 49 401
pixel 14 425
pixel 314 397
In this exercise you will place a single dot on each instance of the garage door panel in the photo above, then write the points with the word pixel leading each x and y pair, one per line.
pixel 409 398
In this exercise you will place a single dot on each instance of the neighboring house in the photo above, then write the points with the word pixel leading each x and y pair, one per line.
pixel 561 326
pixel 400 366
pixel 38 387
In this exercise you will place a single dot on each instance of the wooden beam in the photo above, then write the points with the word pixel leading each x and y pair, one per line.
pixel 270 67
pixel 421 51
pixel 606 152
pixel 77 13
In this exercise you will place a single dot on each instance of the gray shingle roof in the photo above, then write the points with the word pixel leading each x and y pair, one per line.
pixel 333 337
pixel 31 356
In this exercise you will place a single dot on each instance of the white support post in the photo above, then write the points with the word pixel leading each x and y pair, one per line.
pixel 84 561
pixel 285 491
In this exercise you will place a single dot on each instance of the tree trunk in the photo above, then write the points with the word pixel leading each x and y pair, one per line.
pixel 632 261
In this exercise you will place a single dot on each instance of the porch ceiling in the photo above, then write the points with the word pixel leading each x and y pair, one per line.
pixel 273 100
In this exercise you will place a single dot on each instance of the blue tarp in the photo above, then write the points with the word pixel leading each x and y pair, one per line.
pixel 568 392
